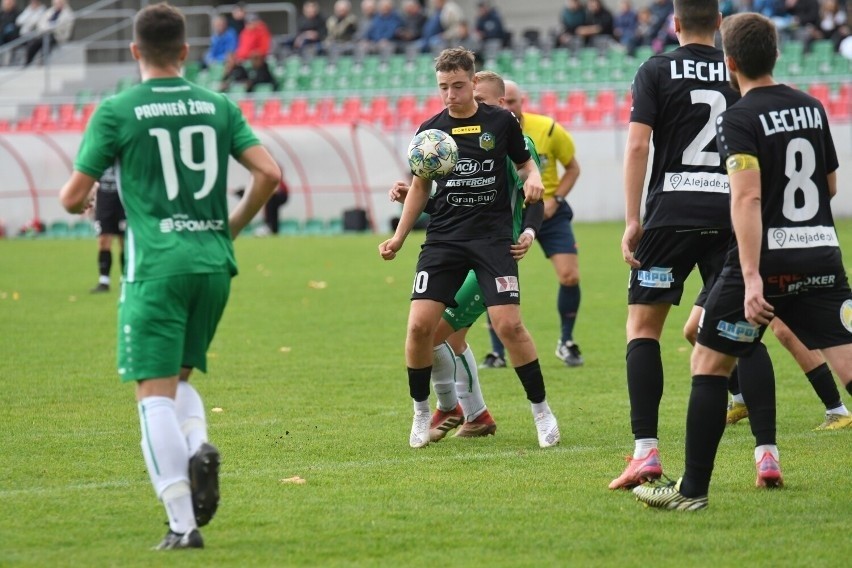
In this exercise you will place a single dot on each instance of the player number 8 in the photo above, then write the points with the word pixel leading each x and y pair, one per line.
pixel 800 179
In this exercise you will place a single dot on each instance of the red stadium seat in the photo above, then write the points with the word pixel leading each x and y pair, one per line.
pixel 86 114
pixel 819 91
pixel 378 110
pixel 5 126
pixel 323 110
pixel 577 100
pixel 247 107
pixel 270 114
pixel 351 110
pixel 433 105
pixel 297 113
pixel 67 116
pixel 548 103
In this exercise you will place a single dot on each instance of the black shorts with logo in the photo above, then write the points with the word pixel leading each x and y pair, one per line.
pixel 109 214
pixel 668 256
pixel 443 266
pixel 816 307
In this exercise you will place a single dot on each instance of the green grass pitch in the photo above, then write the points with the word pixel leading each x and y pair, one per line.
pixel 308 371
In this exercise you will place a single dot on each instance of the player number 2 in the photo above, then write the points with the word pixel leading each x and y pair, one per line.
pixel 694 154
pixel 421 280
pixel 209 163
pixel 800 180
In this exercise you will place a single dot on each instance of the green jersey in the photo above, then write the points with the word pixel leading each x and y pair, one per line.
pixel 170 141
pixel 517 196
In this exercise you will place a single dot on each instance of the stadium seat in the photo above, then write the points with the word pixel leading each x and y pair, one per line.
pixel 377 111
pixel 247 108
pixel 42 117
pixel 350 110
pixel 334 226
pixel 323 110
pixel 66 116
pixel 83 229
pixel 59 230
pixel 819 91
pixel 313 227
pixel 297 113
pixel 86 114
pixel 288 227
pixel 270 114
pixel 5 126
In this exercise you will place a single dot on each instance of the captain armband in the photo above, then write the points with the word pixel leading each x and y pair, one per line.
pixel 740 162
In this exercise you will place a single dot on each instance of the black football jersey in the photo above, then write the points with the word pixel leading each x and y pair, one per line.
pixel 787 130
pixel 679 94
pixel 474 200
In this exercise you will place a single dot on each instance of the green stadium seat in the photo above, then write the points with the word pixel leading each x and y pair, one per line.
pixel 334 226
pixel 289 227
pixel 314 227
pixel 642 54
pixel 59 230
pixel 83 229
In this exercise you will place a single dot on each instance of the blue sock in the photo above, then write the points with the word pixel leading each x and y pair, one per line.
pixel 568 303
pixel 496 344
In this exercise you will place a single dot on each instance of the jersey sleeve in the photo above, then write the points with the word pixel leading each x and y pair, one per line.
pixel 831 162
pixel 644 91
pixel 533 151
pixel 98 148
pixel 516 147
pixel 242 136
pixel 734 135
pixel 562 144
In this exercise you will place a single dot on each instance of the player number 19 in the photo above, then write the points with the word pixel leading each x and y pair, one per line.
pixel 209 163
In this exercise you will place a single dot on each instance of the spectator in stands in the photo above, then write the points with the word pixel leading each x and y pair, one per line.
pixel 489 24
pixel 29 18
pixel 661 11
pixel 237 18
pixel 255 39
pixel 368 13
pixel 54 28
pixel 642 35
pixel 384 28
pixel 598 29
pixel 223 43
pixel 413 20
pixel 624 24
pixel 804 19
pixel 8 26
pixel 310 28
pixel 833 23
pixel 468 40
pixel 666 35
pixel 259 73
pixel 727 8
pixel 572 17
pixel 442 26
pixel 342 25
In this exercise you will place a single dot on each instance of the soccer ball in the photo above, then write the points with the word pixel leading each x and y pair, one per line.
pixel 432 154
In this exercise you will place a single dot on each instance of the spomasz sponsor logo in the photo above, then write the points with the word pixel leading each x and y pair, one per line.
pixel 472 199
pixel 794 283
pixel 180 223
pixel 741 331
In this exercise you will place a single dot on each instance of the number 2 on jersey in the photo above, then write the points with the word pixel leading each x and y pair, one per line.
pixel 694 154
pixel 208 164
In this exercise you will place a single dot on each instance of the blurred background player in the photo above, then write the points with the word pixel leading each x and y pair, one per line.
pixel 110 222
pixel 454 375
pixel 556 237
pixel 179 251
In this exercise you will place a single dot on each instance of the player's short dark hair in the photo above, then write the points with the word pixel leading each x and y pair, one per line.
pixel 160 33
pixel 492 77
pixel 697 16
pixel 751 40
pixel 455 59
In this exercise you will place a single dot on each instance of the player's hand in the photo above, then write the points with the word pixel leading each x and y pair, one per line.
pixel 389 248
pixel 520 248
pixel 629 242
pixel 533 189
pixel 757 310
pixel 550 207
pixel 399 191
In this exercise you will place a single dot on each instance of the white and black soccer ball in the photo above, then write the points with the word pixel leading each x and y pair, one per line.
pixel 432 154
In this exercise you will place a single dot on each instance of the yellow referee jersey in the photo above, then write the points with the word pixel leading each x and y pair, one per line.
pixel 553 143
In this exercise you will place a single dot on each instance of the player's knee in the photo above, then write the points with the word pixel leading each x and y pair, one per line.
pixel 420 331
pixel 570 279
pixel 508 330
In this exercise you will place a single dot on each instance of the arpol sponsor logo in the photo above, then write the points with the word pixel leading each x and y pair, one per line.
pixel 656 278
pixel 741 331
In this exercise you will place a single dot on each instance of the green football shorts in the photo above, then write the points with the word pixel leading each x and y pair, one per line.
pixel 470 304
pixel 168 323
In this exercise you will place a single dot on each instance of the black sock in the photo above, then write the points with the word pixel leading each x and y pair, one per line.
pixel 418 383
pixel 849 387
pixel 104 262
pixel 823 382
pixel 705 424
pixel 122 261
pixel 644 386
pixel 734 382
pixel 532 380
pixel 757 382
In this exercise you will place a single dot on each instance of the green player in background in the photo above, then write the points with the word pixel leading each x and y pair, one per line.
pixel 170 142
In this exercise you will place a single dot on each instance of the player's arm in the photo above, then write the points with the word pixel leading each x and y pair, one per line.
pixel 529 174
pixel 533 218
pixel 744 174
pixel 77 193
pixel 569 178
pixel 265 177
pixel 635 165
pixel 415 202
